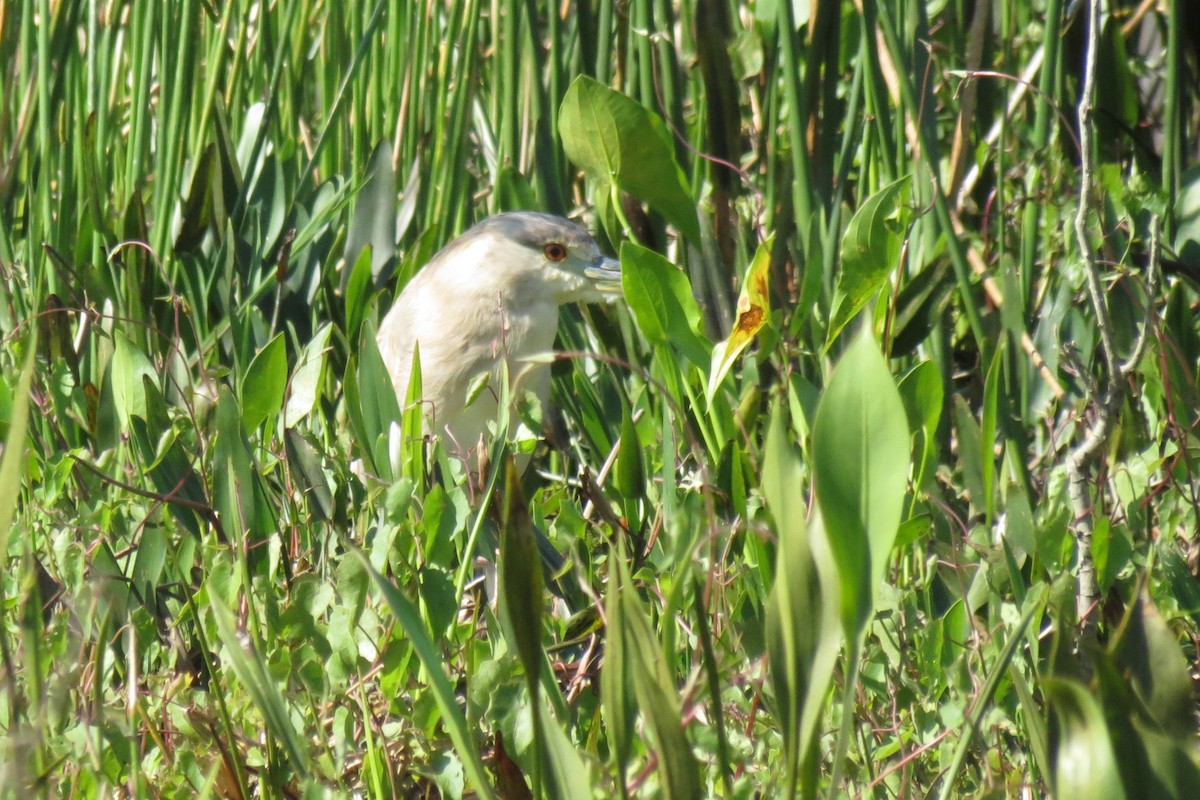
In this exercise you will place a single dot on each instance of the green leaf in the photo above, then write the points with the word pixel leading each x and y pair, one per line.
pixel 1149 653
pixel 870 251
pixel 358 292
pixel 263 384
pixel 443 691
pixel 126 370
pixel 375 397
pixel 306 378
pixel 617 676
pixel 520 573
pixel 237 490
pixel 654 688
pixel 629 479
pixel 307 473
pixel 803 634
pixel 373 224
pixel 566 775
pixel 13 457
pixel 165 458
pixel 860 467
pixel 923 396
pixel 987 431
pixel 661 300
pixel 618 142
pixel 970 454
pixel 252 671
pixel 1085 765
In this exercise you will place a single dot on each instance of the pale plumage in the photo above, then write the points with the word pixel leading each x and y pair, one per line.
pixel 492 293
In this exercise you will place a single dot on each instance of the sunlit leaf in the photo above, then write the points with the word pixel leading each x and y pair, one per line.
pixel 306 378
pixel 860 466
pixel 660 297
pixel 263 385
pixel 617 141
pixel 870 251
pixel 753 312
pixel 803 633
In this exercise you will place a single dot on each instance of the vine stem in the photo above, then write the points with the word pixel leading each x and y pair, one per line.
pixel 1110 394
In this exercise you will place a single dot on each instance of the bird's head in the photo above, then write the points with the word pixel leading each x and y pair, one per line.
pixel 536 257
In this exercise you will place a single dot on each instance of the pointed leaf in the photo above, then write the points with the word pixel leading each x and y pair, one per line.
pixel 662 302
pixel 753 311
pixel 870 251
pixel 617 141
pixel 263 384
pixel 860 466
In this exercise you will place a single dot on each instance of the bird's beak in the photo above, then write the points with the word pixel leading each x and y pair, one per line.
pixel 605 275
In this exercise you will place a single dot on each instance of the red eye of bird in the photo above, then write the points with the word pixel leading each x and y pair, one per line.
pixel 555 251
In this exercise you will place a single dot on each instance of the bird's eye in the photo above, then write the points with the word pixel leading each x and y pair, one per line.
pixel 555 251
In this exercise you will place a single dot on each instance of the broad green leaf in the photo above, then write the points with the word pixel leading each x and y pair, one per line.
pixel 358 292
pixel 566 775
pixel 617 675
pixel 1187 220
pixel 376 398
pixel 263 384
pixel 662 302
pixel 753 312
pixel 923 396
pixel 630 475
pixel 618 142
pixel 1149 653
pixel 237 490
pixel 860 466
pixel 126 370
pixel 310 478
pixel 1084 765
pixel 870 251
pixel 970 454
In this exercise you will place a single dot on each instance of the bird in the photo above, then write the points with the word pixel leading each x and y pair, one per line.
pixel 490 298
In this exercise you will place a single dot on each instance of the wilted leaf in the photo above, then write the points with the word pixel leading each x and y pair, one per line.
pixel 753 311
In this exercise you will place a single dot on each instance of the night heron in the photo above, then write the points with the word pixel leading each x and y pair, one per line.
pixel 489 297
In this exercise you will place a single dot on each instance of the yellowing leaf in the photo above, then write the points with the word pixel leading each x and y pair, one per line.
pixel 753 310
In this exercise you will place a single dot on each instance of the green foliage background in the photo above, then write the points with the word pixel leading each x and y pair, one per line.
pixel 843 562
